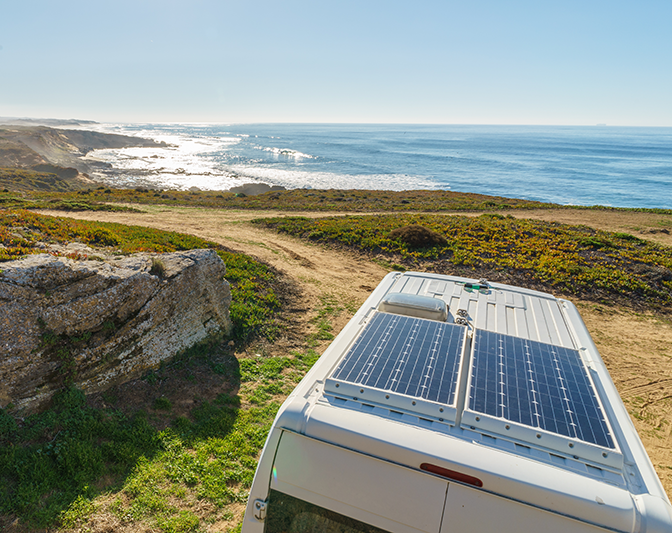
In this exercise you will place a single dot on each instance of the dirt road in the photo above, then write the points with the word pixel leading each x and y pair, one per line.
pixel 637 348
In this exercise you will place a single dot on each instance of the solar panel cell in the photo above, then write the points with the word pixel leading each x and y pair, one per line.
pixel 406 355
pixel 536 384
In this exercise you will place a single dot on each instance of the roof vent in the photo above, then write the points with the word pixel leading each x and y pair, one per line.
pixel 414 305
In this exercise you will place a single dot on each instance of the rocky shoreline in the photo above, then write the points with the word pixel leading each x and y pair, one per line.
pixel 60 153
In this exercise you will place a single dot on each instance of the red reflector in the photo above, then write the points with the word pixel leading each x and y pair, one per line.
pixel 451 474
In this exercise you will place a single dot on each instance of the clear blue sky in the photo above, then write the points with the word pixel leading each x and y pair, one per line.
pixel 418 61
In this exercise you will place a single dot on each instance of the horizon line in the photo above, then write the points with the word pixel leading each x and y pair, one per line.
pixel 6 120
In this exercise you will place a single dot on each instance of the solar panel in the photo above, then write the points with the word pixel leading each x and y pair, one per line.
pixel 538 385
pixel 404 356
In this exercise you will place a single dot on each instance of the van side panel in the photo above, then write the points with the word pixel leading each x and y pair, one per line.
pixel 479 512
pixel 376 492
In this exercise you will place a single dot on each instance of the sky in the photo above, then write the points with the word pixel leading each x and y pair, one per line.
pixel 366 61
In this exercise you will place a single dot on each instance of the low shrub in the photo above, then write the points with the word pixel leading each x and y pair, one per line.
pixel 416 236
pixel 101 237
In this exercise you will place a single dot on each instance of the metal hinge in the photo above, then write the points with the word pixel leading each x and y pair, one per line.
pixel 260 510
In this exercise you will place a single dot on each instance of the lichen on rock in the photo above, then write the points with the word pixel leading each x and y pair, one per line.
pixel 94 324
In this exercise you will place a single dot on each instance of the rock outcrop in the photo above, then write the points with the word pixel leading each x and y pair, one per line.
pixel 98 323
pixel 252 189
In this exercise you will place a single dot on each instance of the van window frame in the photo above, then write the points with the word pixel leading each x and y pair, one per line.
pixel 283 511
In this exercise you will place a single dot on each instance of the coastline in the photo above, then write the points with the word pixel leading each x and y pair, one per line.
pixel 156 157
pixel 615 167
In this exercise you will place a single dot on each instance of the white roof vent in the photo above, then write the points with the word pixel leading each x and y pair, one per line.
pixel 414 305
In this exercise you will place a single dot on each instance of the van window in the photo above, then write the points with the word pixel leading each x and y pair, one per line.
pixel 286 514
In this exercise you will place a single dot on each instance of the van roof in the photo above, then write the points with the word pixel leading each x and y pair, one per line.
pixel 512 370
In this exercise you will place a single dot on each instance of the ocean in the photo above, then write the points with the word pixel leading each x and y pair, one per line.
pixel 605 165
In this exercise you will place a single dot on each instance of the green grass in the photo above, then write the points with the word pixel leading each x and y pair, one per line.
pixel 101 198
pixel 328 309
pixel 51 463
pixel 574 260
pixel 54 464
pixel 47 461
pixel 293 200
pixel 163 404
pixel 30 180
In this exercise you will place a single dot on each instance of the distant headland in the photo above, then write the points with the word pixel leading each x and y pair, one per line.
pixel 33 147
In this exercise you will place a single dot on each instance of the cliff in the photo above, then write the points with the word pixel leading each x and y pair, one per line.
pixel 40 147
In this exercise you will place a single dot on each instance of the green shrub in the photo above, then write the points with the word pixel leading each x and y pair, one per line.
pixel 416 236
pixel 163 404
pixel 101 237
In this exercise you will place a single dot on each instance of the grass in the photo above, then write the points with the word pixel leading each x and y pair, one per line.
pixel 105 198
pixel 9 200
pixel 54 465
pixel 575 260
pixel 158 267
pixel 328 310
pixel 31 180
pixel 50 464
pixel 47 461
pixel 293 200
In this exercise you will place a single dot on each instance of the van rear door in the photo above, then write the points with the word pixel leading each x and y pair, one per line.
pixel 316 486
pixel 477 511
pixel 356 487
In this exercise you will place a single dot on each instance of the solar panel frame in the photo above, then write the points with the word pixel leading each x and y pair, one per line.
pixel 538 393
pixel 408 363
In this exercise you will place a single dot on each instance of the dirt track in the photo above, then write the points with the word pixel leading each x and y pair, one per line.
pixel 636 348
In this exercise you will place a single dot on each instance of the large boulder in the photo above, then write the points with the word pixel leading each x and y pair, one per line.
pixel 94 324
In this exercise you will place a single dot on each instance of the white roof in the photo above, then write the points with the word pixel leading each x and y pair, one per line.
pixel 526 461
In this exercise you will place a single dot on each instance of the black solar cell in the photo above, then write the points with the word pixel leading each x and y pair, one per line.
pixel 536 384
pixel 405 355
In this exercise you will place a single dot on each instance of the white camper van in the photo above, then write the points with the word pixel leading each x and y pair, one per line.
pixel 450 405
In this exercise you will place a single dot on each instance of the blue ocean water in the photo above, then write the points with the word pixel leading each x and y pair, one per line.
pixel 614 166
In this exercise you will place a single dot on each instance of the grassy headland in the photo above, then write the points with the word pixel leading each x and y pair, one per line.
pixel 26 146
pixel 292 200
pixel 104 198
pixel 23 180
pixel 176 451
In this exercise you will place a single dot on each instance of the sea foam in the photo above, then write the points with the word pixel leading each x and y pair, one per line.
pixel 628 167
